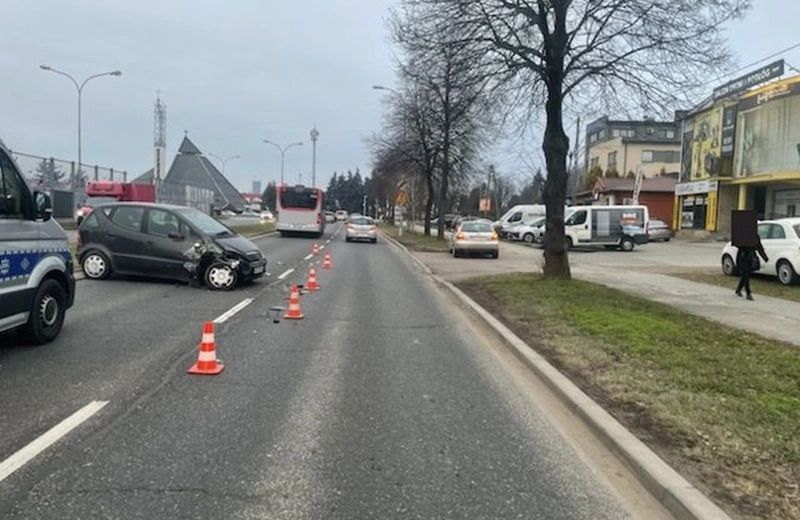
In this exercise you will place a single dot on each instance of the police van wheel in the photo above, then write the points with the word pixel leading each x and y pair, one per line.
pixel 96 266
pixel 47 313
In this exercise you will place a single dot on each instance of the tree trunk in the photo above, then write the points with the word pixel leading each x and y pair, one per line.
pixel 444 186
pixel 555 146
pixel 429 204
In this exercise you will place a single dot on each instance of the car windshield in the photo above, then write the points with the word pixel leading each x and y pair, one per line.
pixel 476 227
pixel 206 224
pixel 537 222
pixel 361 221
pixel 797 230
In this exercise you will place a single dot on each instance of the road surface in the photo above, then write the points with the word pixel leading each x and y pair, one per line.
pixel 381 403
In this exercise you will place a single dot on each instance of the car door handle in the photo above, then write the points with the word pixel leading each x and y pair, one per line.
pixel 111 235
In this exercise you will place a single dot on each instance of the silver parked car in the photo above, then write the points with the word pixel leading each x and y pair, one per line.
pixel 361 228
pixel 475 236
pixel 658 230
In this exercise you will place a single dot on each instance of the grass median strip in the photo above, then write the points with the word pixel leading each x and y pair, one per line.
pixel 415 241
pixel 249 230
pixel 720 405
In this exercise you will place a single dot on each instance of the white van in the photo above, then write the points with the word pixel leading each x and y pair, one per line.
pixel 517 215
pixel 613 227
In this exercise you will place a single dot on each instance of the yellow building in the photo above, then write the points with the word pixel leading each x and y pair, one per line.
pixel 741 154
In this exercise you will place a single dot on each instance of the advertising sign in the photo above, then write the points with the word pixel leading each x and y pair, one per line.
pixel 740 84
pixel 728 130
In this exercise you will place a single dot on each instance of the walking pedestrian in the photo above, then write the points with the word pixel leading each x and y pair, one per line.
pixel 747 262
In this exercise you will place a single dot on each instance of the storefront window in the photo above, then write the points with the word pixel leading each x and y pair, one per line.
pixel 786 203
pixel 693 212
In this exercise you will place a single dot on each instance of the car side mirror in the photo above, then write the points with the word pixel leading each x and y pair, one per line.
pixel 43 205
pixel 175 235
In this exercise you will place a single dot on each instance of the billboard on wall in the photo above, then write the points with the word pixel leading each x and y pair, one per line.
pixel 766 129
pixel 707 144
pixel 728 130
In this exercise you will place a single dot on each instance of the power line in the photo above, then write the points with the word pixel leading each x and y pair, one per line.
pixel 773 55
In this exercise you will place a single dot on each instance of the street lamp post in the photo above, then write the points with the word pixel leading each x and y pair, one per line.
pixel 314 137
pixel 224 162
pixel 79 87
pixel 283 152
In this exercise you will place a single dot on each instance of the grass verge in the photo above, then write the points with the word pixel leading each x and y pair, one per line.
pixel 760 284
pixel 416 241
pixel 249 230
pixel 720 405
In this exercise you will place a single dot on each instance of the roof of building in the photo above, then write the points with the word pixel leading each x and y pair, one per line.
pixel 191 168
pixel 145 178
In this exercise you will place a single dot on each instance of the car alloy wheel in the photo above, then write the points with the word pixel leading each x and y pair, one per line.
pixel 528 238
pixel 220 277
pixel 786 273
pixel 95 266
pixel 728 267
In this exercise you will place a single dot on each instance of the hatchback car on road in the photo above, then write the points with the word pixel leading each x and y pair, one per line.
pixel 475 236
pixel 361 228
pixel 781 241
pixel 156 239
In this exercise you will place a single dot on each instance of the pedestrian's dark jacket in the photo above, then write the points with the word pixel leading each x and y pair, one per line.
pixel 746 257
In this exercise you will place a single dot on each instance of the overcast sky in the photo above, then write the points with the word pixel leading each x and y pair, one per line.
pixel 232 74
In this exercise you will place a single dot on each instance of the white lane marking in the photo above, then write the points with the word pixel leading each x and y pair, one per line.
pixel 233 310
pixel 50 437
pixel 321 247
pixel 308 256
pixel 285 274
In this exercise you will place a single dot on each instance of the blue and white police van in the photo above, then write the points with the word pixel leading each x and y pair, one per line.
pixel 36 281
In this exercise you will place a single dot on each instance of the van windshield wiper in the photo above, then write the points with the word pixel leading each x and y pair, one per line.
pixel 226 232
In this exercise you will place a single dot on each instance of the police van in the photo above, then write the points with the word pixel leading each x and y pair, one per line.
pixel 36 281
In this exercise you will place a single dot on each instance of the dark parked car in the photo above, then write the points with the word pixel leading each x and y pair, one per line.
pixel 658 230
pixel 163 241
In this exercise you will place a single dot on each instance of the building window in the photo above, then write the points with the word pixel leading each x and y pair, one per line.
pixel 669 134
pixel 601 134
pixel 612 161
pixel 594 162
pixel 615 132
pixel 661 156
pixel 592 138
pixel 627 133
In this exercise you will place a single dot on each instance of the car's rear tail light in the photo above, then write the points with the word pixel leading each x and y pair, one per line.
pixel 460 236
pixel 319 219
pixel 373 227
pixel 350 226
pixel 495 237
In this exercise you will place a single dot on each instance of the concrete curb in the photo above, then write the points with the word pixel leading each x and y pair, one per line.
pixel 674 492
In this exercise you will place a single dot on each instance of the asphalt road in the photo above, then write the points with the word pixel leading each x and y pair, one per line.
pixel 380 403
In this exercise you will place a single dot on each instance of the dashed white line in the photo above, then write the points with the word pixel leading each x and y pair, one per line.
pixel 321 247
pixel 50 437
pixel 308 256
pixel 285 274
pixel 233 310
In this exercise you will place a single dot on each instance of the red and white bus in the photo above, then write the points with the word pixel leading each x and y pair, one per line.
pixel 300 210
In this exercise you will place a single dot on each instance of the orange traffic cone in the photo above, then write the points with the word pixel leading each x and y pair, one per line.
pixel 326 264
pixel 207 362
pixel 315 251
pixel 312 284
pixel 294 312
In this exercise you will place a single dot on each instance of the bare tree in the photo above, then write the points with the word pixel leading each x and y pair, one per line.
pixel 457 88
pixel 654 53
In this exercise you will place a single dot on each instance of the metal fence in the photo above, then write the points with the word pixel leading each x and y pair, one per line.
pixel 67 186
pixel 50 173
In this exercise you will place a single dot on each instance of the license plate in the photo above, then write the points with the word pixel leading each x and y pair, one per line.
pixel 258 269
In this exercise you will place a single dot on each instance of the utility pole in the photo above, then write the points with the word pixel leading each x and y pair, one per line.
pixel 314 137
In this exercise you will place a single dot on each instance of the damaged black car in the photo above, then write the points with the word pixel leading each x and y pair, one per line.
pixel 164 241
